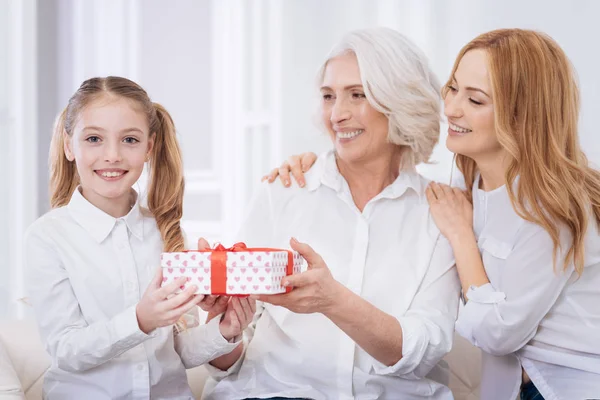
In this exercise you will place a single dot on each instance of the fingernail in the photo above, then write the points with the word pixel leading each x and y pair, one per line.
pixel 285 283
pixel 287 183
pixel 301 183
pixel 294 240
pixel 195 288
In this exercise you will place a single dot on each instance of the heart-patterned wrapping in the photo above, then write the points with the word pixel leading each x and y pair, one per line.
pixel 247 272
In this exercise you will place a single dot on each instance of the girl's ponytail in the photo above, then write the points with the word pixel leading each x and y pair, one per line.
pixel 63 173
pixel 165 193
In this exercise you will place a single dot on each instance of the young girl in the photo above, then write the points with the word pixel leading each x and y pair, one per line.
pixel 527 236
pixel 92 261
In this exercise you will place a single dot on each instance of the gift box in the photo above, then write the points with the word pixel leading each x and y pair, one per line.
pixel 232 271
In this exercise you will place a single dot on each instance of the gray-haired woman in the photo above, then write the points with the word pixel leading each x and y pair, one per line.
pixel 375 312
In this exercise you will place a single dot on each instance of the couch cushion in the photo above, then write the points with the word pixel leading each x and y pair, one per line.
pixel 23 362
pixel 10 385
pixel 196 379
pixel 464 361
pixel 30 361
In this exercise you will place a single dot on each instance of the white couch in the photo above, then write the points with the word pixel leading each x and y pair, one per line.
pixel 23 362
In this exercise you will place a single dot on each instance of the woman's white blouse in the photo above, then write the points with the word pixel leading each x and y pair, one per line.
pixel 530 316
pixel 391 254
pixel 86 272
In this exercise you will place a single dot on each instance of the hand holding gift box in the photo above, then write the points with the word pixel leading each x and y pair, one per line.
pixel 237 270
pixel 315 291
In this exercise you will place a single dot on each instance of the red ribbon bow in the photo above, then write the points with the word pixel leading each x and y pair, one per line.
pixel 218 264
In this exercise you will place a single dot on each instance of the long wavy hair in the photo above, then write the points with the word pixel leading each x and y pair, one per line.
pixel 536 111
pixel 165 191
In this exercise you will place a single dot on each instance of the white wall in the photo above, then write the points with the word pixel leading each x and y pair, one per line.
pixel 175 68
pixel 4 165
pixel 18 161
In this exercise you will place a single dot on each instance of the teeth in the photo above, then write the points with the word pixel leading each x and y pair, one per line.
pixel 349 135
pixel 457 128
pixel 111 174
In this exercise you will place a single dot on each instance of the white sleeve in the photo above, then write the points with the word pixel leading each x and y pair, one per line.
pixel 72 343
pixel 502 322
pixel 201 344
pixel 428 325
pixel 219 374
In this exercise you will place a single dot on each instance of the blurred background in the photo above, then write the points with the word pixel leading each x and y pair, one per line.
pixel 239 80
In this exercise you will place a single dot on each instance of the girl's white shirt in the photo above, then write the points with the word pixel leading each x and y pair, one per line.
pixel 86 272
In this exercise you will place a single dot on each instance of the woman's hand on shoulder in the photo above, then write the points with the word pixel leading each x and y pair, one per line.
pixel 451 209
pixel 297 165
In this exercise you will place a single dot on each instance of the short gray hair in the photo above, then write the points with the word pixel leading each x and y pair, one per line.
pixel 399 83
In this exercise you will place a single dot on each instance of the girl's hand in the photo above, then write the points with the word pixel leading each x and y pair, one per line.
pixel 451 210
pixel 297 164
pixel 237 317
pixel 160 306
pixel 214 305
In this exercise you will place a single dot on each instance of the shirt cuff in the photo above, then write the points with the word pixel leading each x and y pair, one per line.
pixel 481 301
pixel 485 294
pixel 127 328
pixel 414 344
pixel 217 345
pixel 219 374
